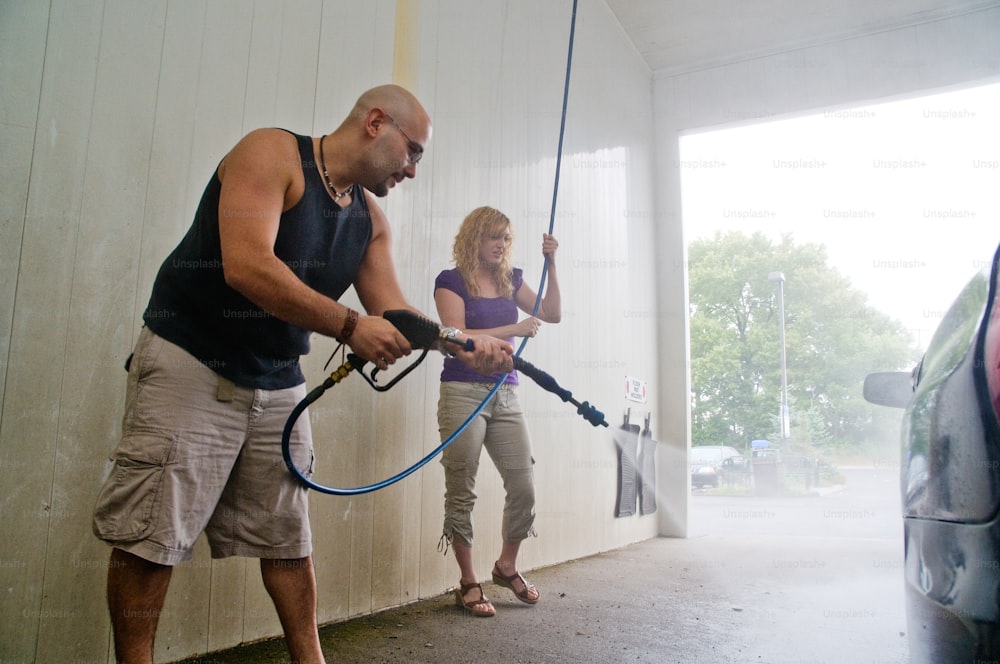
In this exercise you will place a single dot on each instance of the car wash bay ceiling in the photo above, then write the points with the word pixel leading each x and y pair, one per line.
pixel 676 36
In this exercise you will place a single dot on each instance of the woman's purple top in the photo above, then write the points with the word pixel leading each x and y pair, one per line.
pixel 481 313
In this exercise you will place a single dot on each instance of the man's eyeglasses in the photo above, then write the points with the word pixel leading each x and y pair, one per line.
pixel 415 149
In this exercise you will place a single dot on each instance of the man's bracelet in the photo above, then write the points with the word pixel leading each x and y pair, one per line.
pixel 348 329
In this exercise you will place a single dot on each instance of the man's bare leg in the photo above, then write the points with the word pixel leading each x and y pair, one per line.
pixel 291 583
pixel 136 590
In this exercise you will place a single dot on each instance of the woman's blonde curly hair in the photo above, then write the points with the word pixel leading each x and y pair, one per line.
pixel 478 224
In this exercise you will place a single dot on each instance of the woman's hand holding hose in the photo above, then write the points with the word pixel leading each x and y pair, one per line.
pixel 527 327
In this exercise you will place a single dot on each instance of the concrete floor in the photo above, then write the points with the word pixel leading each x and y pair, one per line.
pixel 715 598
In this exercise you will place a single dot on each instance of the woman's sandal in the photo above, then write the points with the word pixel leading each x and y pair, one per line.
pixel 508 582
pixel 481 608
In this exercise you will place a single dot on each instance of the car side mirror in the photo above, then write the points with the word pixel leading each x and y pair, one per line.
pixel 889 388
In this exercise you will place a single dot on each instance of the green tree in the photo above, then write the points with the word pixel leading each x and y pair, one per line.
pixel 833 338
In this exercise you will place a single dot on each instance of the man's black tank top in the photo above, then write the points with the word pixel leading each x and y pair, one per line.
pixel 193 307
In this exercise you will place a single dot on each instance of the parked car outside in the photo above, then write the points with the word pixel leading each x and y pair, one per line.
pixel 707 462
pixel 950 480
pixel 737 471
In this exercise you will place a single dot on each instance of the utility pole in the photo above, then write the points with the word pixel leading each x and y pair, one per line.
pixel 783 414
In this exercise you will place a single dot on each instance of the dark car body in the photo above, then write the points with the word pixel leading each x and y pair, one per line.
pixel 950 480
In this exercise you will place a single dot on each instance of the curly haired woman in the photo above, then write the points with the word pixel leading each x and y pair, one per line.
pixel 482 295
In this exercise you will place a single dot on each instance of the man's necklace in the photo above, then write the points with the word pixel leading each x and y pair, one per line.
pixel 337 195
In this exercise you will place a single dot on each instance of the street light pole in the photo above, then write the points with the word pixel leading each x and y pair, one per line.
pixel 783 415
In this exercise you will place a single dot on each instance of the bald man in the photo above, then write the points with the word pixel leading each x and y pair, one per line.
pixel 285 226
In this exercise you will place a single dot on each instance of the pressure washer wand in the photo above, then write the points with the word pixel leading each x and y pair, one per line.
pixel 547 382
pixel 422 332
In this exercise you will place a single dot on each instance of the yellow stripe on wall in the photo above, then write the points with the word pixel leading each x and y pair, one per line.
pixel 404 57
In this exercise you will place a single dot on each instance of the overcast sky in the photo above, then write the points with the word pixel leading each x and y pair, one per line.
pixel 905 194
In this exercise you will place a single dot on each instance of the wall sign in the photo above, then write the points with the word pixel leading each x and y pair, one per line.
pixel 635 389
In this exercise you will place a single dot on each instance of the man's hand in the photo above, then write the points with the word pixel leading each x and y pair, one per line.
pixel 490 356
pixel 378 341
